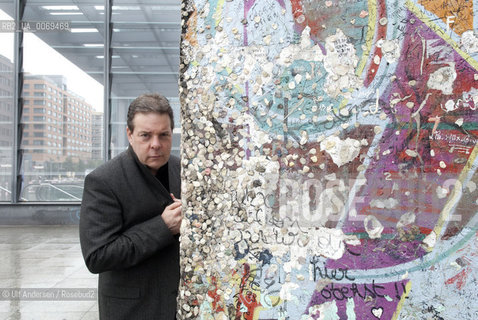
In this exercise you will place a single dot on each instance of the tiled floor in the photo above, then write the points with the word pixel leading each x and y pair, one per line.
pixel 36 258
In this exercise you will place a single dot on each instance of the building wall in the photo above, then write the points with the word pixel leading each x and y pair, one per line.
pixel 57 123
pixel 329 150
pixel 6 125
pixel 97 135
pixel 6 103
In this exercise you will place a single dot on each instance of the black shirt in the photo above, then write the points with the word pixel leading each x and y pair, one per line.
pixel 163 176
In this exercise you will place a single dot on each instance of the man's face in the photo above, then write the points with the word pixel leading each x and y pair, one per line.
pixel 151 139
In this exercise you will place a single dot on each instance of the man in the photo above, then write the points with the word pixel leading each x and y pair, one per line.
pixel 130 219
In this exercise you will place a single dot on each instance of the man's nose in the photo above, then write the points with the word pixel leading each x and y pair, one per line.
pixel 156 143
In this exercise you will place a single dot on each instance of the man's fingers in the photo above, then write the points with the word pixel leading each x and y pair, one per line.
pixel 174 198
pixel 174 205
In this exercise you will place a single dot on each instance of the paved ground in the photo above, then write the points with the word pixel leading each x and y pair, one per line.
pixel 43 276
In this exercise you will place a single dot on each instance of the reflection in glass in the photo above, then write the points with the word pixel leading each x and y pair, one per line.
pixel 7 87
pixel 6 126
pixel 61 130
pixel 63 104
pixel 145 58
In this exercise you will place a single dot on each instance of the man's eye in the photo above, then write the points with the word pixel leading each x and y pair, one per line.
pixel 144 135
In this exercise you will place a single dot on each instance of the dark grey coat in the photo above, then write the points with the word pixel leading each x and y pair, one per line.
pixel 125 240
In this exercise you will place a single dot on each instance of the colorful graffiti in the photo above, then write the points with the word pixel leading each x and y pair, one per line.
pixel 329 159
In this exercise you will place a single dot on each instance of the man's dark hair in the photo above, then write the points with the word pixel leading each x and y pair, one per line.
pixel 147 103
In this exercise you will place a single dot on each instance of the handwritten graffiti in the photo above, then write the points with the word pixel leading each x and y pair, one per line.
pixel 323 273
pixel 363 291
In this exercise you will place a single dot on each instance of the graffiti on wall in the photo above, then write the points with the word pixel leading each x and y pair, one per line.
pixel 329 160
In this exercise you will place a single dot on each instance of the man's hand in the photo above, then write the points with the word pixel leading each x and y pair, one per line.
pixel 172 216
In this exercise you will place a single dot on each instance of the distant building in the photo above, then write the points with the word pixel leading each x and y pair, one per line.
pixel 6 126
pixel 97 135
pixel 6 106
pixel 57 122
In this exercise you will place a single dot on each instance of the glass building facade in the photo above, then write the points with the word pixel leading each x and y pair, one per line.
pixel 68 72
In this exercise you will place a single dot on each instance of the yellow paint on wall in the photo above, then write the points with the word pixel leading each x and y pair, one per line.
pixel 372 20
pixel 408 287
pixel 218 13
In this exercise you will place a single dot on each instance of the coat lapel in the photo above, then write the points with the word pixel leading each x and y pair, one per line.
pixel 174 176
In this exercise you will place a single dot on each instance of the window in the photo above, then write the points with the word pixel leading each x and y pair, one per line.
pixel 65 86
pixel 153 64
pixel 38 142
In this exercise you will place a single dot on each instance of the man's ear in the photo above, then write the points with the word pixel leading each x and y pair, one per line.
pixel 129 133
